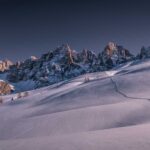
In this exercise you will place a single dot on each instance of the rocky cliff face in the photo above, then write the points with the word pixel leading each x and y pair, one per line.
pixel 5 65
pixel 114 54
pixel 64 63
pixel 5 88
pixel 54 66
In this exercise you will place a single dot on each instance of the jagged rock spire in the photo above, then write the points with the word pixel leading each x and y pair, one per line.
pixel 110 48
pixel 70 55
pixel 114 54
pixel 5 65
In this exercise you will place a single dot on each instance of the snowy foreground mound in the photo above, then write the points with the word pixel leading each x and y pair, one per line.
pixel 109 112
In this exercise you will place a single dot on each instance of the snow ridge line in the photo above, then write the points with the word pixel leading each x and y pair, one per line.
pixel 123 94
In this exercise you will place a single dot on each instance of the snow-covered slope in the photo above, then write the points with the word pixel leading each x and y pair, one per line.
pixel 111 111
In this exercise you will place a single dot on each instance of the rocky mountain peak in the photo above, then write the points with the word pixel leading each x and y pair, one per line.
pixel 33 58
pixel 114 54
pixel 5 65
pixel 110 48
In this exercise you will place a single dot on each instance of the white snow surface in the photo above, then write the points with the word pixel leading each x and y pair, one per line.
pixel 109 112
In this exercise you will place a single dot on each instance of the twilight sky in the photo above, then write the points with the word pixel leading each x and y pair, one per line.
pixel 32 27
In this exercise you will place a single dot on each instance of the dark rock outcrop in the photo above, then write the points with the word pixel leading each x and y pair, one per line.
pixel 5 88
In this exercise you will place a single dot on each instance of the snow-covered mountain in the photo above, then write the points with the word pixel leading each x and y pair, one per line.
pixel 109 111
pixel 61 64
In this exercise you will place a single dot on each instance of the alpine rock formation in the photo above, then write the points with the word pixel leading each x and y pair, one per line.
pixel 64 63
pixel 5 65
